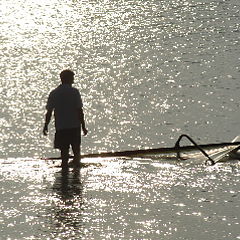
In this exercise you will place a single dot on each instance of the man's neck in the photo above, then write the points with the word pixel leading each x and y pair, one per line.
pixel 67 84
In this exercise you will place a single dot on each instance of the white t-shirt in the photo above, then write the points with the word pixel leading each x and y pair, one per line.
pixel 65 100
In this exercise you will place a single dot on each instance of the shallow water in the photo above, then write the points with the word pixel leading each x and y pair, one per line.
pixel 120 199
pixel 148 71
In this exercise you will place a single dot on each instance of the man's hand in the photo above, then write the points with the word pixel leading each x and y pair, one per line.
pixel 85 131
pixel 47 121
pixel 45 130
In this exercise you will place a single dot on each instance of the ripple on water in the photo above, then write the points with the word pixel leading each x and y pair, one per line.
pixel 118 199
pixel 148 71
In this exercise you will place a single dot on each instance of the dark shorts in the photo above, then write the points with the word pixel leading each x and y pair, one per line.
pixel 66 137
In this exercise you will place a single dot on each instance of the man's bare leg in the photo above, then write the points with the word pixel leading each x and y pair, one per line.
pixel 65 158
pixel 76 155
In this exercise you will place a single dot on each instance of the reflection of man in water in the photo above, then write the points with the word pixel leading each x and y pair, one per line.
pixel 67 208
pixel 67 105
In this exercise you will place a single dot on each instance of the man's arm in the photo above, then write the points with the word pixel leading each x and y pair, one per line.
pixel 47 121
pixel 82 120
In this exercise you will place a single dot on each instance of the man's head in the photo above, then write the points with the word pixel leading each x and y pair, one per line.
pixel 67 76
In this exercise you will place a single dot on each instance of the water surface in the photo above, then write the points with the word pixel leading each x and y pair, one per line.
pixel 120 199
pixel 148 71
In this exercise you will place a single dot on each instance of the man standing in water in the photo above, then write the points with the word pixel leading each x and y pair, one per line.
pixel 67 105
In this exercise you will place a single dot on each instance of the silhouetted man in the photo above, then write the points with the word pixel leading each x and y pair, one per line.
pixel 67 105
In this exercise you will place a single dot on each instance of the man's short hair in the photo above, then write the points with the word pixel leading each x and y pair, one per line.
pixel 66 76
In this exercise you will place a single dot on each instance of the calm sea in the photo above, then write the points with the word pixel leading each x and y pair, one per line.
pixel 148 71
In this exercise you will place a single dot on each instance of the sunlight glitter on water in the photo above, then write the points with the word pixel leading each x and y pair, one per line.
pixel 117 198
pixel 147 71
pixel 140 68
